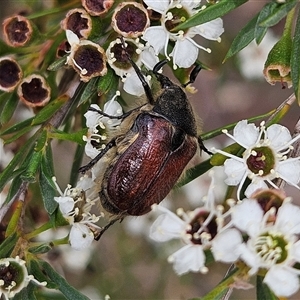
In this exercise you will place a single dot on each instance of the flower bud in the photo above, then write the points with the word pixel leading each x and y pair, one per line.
pixel 97 7
pixel 17 31
pixel 34 91
pixel 130 19
pixel 10 74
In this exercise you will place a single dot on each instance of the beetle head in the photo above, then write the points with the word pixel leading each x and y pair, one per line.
pixel 173 104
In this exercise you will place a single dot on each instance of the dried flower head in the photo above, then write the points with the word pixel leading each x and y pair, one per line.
pixel 10 74
pixel 34 91
pixel 78 21
pixel 130 19
pixel 17 31
pixel 97 7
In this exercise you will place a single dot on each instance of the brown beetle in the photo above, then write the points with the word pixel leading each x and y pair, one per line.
pixel 156 142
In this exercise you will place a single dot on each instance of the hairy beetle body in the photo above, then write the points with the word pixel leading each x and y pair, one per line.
pixel 140 165
pixel 146 169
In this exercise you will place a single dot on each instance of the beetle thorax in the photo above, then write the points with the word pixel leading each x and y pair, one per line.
pixel 173 104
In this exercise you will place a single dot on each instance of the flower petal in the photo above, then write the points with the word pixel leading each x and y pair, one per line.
pixel 211 30
pixel 166 227
pixel 188 258
pixel 278 135
pixel 225 245
pixel 289 170
pixel 245 134
pixel 157 37
pixel 247 216
pixel 235 171
pixel 288 218
pixel 184 53
pixel 281 281
pixel 256 184
pixel 80 236
pixel 159 6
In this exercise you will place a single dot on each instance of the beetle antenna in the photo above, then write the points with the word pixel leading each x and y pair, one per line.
pixel 193 74
pixel 140 75
pixel 202 147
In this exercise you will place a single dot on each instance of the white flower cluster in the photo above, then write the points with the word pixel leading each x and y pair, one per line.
pixel 262 234
pixel 75 205
pixel 262 230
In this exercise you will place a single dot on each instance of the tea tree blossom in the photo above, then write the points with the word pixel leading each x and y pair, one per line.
pixel 264 158
pixel 272 245
pixel 14 277
pixel 185 51
pixel 199 230
pixel 75 205
pixel 100 126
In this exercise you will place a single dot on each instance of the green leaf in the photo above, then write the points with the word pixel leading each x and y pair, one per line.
pixel 9 107
pixel 16 127
pixel 31 171
pixel 47 111
pixel 107 82
pixel 59 63
pixel 90 90
pixel 295 65
pixel 76 165
pixel 195 172
pixel 262 290
pixel 277 11
pixel 27 293
pixel 219 159
pixel 44 248
pixel 47 186
pixel 73 137
pixel 260 31
pixel 212 12
pixel 69 292
pixel 8 245
pixel 243 38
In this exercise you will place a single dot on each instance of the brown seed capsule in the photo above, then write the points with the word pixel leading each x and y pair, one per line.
pixel 130 19
pixel 34 91
pixel 78 21
pixel 10 74
pixel 17 31
pixel 97 7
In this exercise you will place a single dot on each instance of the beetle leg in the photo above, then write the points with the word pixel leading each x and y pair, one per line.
pixel 108 146
pixel 193 75
pixel 103 229
pixel 140 75
pixel 202 147
pixel 159 65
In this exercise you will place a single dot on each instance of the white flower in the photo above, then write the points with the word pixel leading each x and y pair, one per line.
pixel 273 246
pixel 264 158
pixel 199 230
pixel 75 205
pixel 173 13
pixel 99 126
pixel 14 277
pixel 80 236
pixel 140 54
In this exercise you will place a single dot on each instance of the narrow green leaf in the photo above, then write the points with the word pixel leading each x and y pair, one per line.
pixel 47 187
pixel 212 12
pixel 260 31
pixel 77 163
pixel 219 159
pixel 243 38
pixel 16 127
pixel 295 66
pixel 8 245
pixel 9 107
pixel 59 63
pixel 27 293
pixel 195 172
pixel 262 290
pixel 31 171
pixel 69 292
pixel 277 12
pixel 44 114
pixel 107 82
pixel 73 137
pixel 44 248
pixel 90 90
